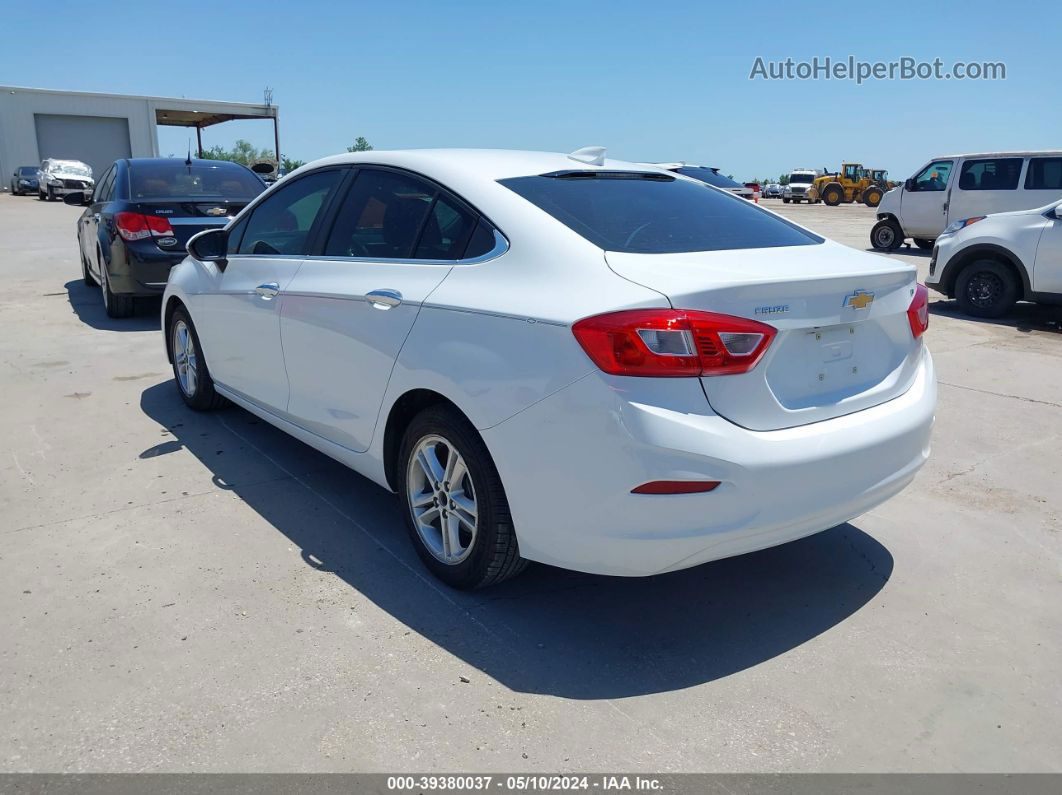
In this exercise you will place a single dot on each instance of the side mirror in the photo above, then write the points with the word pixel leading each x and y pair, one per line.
pixel 75 198
pixel 908 184
pixel 210 246
pixel 1055 212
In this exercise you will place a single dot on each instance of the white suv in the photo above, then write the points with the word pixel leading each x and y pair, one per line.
pixel 987 262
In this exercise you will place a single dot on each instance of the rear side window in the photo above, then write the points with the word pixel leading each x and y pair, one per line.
pixel 643 213
pixel 281 224
pixel 1045 173
pixel 990 174
pixel 709 177
pixel 391 215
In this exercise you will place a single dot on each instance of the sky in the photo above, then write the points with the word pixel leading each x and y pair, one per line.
pixel 658 81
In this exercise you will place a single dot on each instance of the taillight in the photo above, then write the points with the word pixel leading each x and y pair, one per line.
pixel 918 311
pixel 136 226
pixel 673 342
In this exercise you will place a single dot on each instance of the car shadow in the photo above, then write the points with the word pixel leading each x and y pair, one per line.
pixel 1024 317
pixel 547 631
pixel 87 303
pixel 910 251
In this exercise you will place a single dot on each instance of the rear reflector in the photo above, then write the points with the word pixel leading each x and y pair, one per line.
pixel 675 487
pixel 918 311
pixel 673 342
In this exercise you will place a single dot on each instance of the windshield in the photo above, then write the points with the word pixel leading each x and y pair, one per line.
pixel 709 176
pixel 162 179
pixel 642 213
pixel 78 169
pixel 27 171
pixel 801 179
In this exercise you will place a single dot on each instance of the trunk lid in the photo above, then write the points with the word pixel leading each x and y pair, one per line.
pixel 191 216
pixel 844 340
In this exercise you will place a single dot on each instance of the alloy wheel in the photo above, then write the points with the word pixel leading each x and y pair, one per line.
pixel 442 499
pixel 184 359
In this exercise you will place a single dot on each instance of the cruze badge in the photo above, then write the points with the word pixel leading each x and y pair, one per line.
pixel 860 299
pixel 775 309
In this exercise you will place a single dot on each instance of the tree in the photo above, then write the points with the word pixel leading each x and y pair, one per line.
pixel 360 145
pixel 290 165
pixel 242 152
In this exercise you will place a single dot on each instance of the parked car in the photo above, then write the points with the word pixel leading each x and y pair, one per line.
pixel 24 180
pixel 755 188
pixel 772 191
pixel 58 178
pixel 595 364
pixel 954 187
pixel 989 262
pixel 141 215
pixel 709 176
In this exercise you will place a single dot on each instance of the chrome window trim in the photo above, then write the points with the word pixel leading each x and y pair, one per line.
pixel 501 245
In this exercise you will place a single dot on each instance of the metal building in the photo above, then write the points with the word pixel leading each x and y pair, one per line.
pixel 98 129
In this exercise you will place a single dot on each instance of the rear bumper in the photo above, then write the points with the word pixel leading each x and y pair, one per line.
pixel 570 462
pixel 139 271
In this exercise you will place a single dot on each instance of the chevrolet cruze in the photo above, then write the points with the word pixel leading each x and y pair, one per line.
pixel 595 364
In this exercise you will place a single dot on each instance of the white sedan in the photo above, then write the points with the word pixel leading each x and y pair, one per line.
pixel 594 364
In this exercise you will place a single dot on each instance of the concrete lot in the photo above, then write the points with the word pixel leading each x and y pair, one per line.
pixel 199 592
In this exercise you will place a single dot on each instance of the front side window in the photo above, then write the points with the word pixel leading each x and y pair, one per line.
pixel 1045 173
pixel 645 213
pixel 391 215
pixel 281 224
pixel 933 177
pixel 991 174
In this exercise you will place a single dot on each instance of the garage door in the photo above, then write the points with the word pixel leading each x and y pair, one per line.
pixel 96 140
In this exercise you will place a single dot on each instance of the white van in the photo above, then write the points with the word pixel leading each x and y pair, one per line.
pixel 954 187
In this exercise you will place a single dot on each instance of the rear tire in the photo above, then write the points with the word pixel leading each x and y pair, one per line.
pixel 190 372
pixel 923 243
pixel 886 235
pixel 117 306
pixel 446 477
pixel 986 288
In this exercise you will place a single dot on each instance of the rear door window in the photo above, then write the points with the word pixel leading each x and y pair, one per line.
pixel 281 224
pixel 999 173
pixel 653 213
pixel 1045 173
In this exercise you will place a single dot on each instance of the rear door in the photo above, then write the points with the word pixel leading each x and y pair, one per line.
pixel 924 205
pixel 238 318
pixel 392 240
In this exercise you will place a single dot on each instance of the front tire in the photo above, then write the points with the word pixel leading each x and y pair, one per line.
pixel 833 195
pixel 85 275
pixel 40 195
pixel 923 243
pixel 455 507
pixel 50 194
pixel 190 372
pixel 886 235
pixel 785 200
pixel 986 288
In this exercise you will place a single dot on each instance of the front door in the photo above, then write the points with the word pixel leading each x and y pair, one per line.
pixel 923 208
pixel 1047 270
pixel 348 311
pixel 238 319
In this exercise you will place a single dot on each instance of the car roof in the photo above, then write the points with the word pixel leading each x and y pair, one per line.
pixel 149 161
pixel 489 164
pixel 1022 153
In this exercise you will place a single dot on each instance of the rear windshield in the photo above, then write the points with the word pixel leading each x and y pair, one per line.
pixel 642 213
pixel 176 179
pixel 709 177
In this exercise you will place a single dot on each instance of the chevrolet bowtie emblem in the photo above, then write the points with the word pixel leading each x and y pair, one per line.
pixel 860 299
pixel 216 211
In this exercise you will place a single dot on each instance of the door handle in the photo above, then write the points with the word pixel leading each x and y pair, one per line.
pixel 268 290
pixel 384 299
